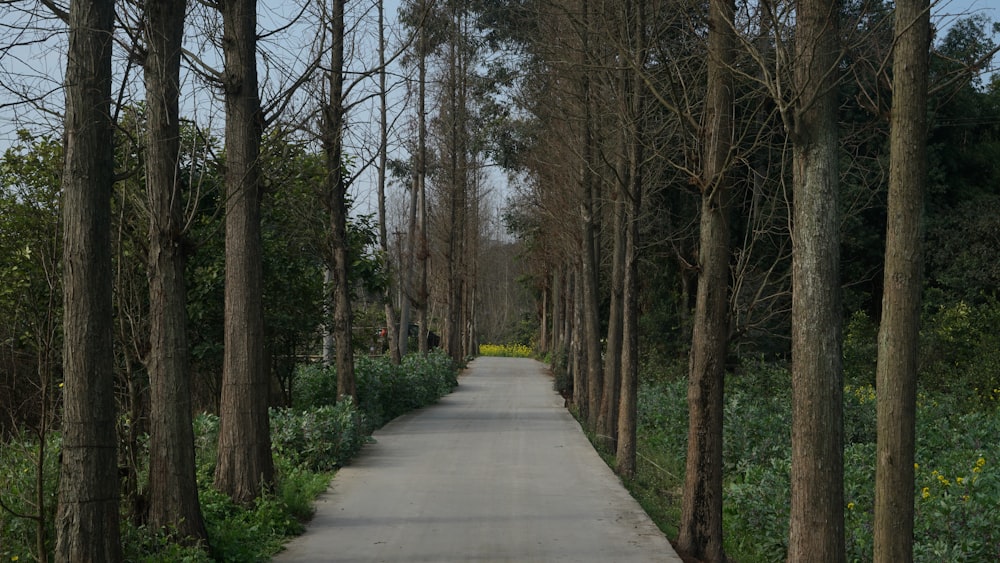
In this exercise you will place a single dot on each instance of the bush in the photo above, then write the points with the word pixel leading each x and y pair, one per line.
pixel 320 439
pixel 18 482
pixel 386 391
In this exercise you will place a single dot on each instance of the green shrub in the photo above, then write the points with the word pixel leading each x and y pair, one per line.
pixel 386 391
pixel 18 482
pixel 314 385
pixel 321 439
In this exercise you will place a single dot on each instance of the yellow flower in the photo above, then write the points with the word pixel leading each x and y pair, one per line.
pixel 925 492
pixel 850 506
pixel 959 480
pixel 916 466
pixel 14 558
pixel 980 462
pixel 60 384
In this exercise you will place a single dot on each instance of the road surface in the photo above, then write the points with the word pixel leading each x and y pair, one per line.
pixel 497 471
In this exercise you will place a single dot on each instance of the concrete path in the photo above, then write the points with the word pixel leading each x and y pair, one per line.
pixel 497 471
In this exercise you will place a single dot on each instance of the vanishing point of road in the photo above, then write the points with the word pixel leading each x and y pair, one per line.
pixel 496 471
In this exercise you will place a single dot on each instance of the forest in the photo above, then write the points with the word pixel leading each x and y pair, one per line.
pixel 757 242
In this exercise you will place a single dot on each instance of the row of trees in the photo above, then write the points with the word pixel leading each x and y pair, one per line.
pixel 756 171
pixel 155 271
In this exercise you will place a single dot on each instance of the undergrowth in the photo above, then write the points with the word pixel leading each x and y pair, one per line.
pixel 310 440
pixel 957 472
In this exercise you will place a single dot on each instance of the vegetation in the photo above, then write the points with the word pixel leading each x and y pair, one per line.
pixel 957 458
pixel 506 350
pixel 310 441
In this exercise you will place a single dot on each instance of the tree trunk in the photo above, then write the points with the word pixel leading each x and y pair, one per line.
pixel 245 467
pixel 589 273
pixel 87 517
pixel 336 190
pixel 899 332
pixel 607 420
pixel 556 346
pixel 816 531
pixel 392 327
pixel 579 354
pixel 173 488
pixel 700 534
pixel 628 401
pixel 423 294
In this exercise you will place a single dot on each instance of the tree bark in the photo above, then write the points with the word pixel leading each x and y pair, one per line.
pixel 816 531
pixel 589 272
pixel 899 332
pixel 245 467
pixel 173 488
pixel 391 322
pixel 556 345
pixel 625 456
pixel 336 193
pixel 87 517
pixel 701 512
pixel 423 293
pixel 607 420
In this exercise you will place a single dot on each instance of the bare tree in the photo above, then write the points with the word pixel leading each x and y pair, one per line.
pixel 701 513
pixel 173 489
pixel 336 202
pixel 816 531
pixel 87 519
pixel 899 331
pixel 245 467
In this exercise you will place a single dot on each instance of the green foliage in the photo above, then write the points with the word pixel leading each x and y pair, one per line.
pixel 253 533
pixel 19 479
pixel 320 439
pixel 960 352
pixel 144 545
pixel 386 391
pixel 958 461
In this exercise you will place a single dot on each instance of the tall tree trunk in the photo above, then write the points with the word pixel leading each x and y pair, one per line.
pixel 244 467
pixel 173 488
pixel 701 511
pixel 336 193
pixel 607 421
pixel 423 294
pixel 589 271
pixel 816 531
pixel 628 400
pixel 87 520
pixel 409 274
pixel 899 332
pixel 543 337
pixel 579 346
pixel 392 326
pixel 555 348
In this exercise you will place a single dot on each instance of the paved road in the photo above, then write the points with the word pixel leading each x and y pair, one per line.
pixel 497 471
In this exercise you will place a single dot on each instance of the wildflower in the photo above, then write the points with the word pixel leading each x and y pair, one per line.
pixel 959 480
pixel 916 466
pixel 60 386
pixel 925 492
pixel 980 462
pixel 850 506
pixel 14 558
